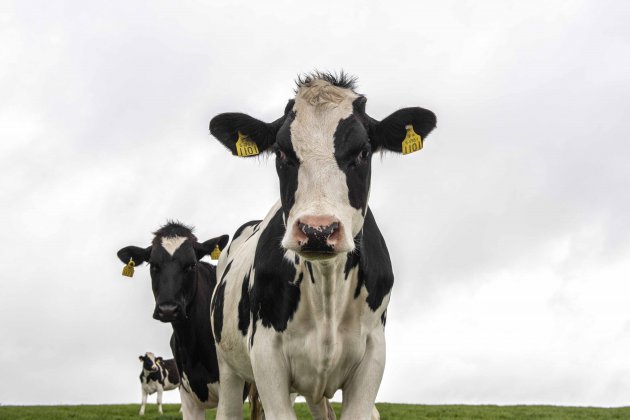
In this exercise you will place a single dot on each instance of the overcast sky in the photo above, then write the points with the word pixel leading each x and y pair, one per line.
pixel 509 232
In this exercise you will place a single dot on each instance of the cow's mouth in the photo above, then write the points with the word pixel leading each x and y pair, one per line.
pixel 317 255
pixel 168 313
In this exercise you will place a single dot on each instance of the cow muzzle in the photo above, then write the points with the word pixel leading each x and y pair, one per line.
pixel 317 236
pixel 167 312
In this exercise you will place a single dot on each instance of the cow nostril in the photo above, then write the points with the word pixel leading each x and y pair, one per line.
pixel 318 231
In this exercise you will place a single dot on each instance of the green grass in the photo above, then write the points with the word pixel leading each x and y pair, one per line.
pixel 388 412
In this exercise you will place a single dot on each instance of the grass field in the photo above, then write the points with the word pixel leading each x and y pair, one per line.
pixel 388 412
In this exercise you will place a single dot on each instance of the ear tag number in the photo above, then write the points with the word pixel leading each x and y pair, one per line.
pixel 245 147
pixel 216 253
pixel 128 269
pixel 412 142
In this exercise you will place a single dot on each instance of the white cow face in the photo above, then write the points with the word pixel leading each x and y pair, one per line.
pixel 324 145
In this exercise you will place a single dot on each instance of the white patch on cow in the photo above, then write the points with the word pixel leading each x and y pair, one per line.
pixel 322 188
pixel 171 244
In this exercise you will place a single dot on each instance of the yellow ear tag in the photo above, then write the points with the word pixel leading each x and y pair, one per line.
pixel 245 147
pixel 216 253
pixel 412 142
pixel 128 269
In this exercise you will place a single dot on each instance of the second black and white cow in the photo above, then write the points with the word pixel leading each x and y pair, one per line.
pixel 303 294
pixel 157 375
pixel 182 286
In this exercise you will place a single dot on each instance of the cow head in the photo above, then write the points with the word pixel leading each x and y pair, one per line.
pixel 149 361
pixel 324 145
pixel 173 258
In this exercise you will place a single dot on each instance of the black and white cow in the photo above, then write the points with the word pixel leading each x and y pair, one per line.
pixel 302 297
pixel 182 286
pixel 158 375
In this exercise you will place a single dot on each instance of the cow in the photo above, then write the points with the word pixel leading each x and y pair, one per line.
pixel 182 286
pixel 302 299
pixel 157 375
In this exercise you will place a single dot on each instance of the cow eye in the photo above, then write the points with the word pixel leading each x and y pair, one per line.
pixel 190 267
pixel 281 155
pixel 283 159
pixel 362 156
pixel 155 267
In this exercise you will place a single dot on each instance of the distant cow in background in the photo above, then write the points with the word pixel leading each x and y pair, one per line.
pixel 157 375
pixel 182 286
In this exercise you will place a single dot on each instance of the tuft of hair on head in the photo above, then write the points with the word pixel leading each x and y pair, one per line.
pixel 341 79
pixel 174 228
pixel 318 88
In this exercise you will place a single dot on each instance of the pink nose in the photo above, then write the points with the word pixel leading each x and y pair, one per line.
pixel 317 233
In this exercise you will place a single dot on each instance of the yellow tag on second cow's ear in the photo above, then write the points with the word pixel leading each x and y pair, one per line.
pixel 412 142
pixel 245 146
pixel 216 253
pixel 128 269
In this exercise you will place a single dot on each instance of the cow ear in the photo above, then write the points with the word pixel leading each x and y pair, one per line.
pixel 390 133
pixel 141 358
pixel 205 248
pixel 228 128
pixel 138 254
pixel 159 359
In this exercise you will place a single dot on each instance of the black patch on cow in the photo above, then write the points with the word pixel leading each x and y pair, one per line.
pixel 352 259
pixel 217 305
pixel 243 306
pixel 171 370
pixel 310 271
pixel 384 317
pixel 240 230
pixel 353 154
pixel 297 259
pixel 287 164
pixel 155 376
pixel 375 268
pixel 275 293
pixel 251 339
pixel 192 342
pixel 217 311
pixel 254 230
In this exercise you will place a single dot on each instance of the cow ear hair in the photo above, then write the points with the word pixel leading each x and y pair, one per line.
pixel 390 132
pixel 138 254
pixel 226 128
pixel 206 247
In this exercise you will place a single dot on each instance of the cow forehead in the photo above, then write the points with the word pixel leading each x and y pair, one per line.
pixel 172 243
pixel 318 110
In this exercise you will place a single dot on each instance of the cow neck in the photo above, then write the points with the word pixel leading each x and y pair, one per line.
pixel 186 330
pixel 327 289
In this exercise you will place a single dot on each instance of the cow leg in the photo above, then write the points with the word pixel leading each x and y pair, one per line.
pixel 321 410
pixel 273 386
pixel 230 394
pixel 359 392
pixel 190 409
pixel 144 402
pixel 159 398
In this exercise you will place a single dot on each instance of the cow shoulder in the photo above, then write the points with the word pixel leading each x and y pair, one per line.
pixel 275 293
pixel 172 374
pixel 375 267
